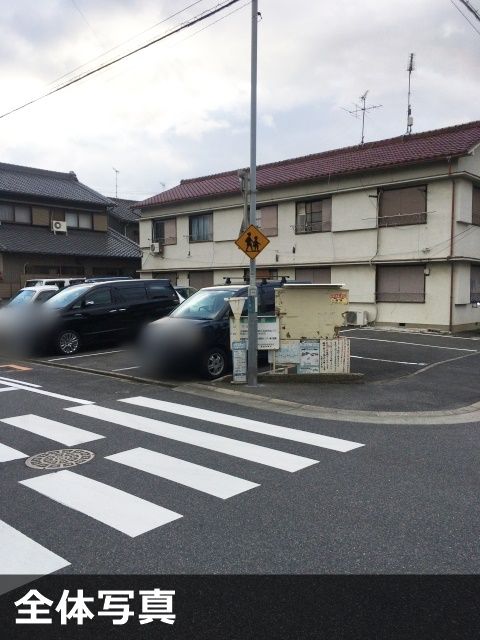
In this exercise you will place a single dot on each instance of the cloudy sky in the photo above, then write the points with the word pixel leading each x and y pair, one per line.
pixel 181 108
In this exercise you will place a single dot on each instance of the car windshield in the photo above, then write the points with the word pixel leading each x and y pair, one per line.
pixel 204 305
pixel 22 297
pixel 66 296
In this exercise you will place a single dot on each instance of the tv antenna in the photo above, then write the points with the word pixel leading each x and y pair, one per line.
pixel 363 109
pixel 410 68
pixel 116 181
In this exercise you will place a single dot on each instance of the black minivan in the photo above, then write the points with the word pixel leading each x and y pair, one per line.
pixel 105 311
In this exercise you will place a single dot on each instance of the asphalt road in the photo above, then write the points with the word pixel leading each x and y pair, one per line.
pixel 403 502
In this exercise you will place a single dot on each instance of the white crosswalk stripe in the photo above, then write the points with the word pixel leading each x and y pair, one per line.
pixel 20 555
pixel 216 483
pixel 239 449
pixel 51 429
pixel 116 508
pixel 296 435
pixel 7 454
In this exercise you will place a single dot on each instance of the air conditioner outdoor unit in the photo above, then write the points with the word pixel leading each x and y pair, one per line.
pixel 356 318
pixel 58 226
pixel 156 248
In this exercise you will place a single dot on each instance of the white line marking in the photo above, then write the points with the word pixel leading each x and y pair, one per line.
pixel 20 555
pixel 7 454
pixel 216 483
pixel 86 355
pixel 7 388
pixel 26 384
pixel 236 448
pixel 412 344
pixel 126 368
pixel 411 333
pixel 64 433
pixel 296 435
pixel 115 508
pixel 51 395
pixel 417 364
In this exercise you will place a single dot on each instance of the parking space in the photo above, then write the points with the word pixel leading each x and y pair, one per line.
pixel 376 353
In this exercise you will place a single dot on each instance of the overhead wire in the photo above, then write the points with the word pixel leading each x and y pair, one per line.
pixel 182 27
pixel 466 17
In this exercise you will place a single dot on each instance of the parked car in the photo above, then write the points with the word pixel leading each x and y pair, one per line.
pixel 29 295
pixel 99 312
pixel 196 335
pixel 61 283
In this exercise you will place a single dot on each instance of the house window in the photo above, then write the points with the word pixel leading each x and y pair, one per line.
pixel 19 213
pixel 407 205
pixel 400 283
pixel 476 206
pixel 315 275
pixel 201 228
pixel 76 220
pixel 314 216
pixel 475 283
pixel 267 220
pixel 165 231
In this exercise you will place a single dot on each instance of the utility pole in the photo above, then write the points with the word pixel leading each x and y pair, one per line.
pixel 252 364
pixel 116 181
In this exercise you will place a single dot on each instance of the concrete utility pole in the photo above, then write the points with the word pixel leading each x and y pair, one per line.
pixel 252 287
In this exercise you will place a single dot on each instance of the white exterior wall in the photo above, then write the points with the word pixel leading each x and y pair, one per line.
pixel 353 245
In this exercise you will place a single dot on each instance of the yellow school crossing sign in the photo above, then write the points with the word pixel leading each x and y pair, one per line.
pixel 252 241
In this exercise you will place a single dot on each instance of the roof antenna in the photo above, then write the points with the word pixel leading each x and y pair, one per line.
pixel 363 109
pixel 116 181
pixel 410 68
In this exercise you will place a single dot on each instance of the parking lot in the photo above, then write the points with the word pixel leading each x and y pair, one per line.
pixel 378 354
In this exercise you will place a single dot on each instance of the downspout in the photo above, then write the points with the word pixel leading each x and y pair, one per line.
pixel 450 257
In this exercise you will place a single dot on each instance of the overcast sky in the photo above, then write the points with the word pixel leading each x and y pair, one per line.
pixel 180 109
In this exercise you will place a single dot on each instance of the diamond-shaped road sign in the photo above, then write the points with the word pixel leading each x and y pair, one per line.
pixel 252 241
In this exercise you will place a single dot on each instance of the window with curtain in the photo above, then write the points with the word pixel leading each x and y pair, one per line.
pixel 397 207
pixel 314 216
pixel 474 283
pixel 78 220
pixel 476 206
pixel 267 220
pixel 201 227
pixel 400 283
pixel 165 231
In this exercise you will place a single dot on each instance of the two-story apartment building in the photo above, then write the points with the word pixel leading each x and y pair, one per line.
pixel 31 200
pixel 397 221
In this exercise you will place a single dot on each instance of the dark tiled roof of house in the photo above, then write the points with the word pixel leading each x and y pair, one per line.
pixel 16 238
pixel 16 180
pixel 383 154
pixel 123 210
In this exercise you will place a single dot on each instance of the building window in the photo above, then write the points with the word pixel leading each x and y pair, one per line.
pixel 474 283
pixel 407 205
pixel 263 273
pixel 314 216
pixel 165 231
pixel 19 213
pixel 77 220
pixel 267 220
pixel 315 275
pixel 476 206
pixel 201 228
pixel 400 283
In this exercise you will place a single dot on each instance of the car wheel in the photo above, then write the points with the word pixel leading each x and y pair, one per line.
pixel 214 364
pixel 68 342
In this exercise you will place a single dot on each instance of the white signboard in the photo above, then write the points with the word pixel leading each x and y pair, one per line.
pixel 335 356
pixel 309 357
pixel 289 353
pixel 268 332
pixel 239 353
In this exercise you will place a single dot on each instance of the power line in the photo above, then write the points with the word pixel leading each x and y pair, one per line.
pixel 82 76
pixel 467 4
pixel 466 17
pixel 137 35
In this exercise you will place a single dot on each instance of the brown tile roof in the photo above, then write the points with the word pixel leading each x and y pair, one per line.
pixel 395 152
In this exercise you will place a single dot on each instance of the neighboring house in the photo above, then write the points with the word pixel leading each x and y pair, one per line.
pixel 30 201
pixel 124 218
pixel 397 221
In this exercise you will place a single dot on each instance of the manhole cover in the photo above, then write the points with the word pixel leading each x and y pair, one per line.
pixel 59 459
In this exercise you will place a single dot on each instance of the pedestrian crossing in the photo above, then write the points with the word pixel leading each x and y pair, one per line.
pixel 131 514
